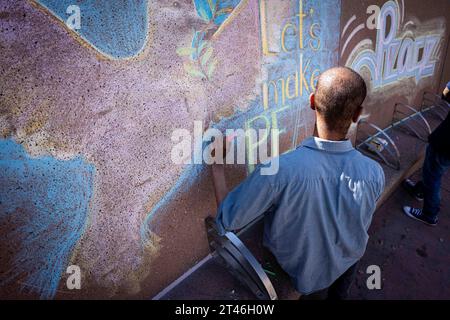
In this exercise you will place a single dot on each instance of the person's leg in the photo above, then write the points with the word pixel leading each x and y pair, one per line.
pixel 418 190
pixel 339 290
pixel 414 189
pixel 434 167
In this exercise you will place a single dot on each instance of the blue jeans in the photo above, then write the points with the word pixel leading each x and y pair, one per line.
pixel 433 169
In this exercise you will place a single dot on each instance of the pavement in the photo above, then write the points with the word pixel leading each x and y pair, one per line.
pixel 414 258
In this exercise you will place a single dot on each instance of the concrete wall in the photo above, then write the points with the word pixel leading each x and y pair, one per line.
pixel 87 116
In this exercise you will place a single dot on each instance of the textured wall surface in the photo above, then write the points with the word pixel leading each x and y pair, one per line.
pixel 87 115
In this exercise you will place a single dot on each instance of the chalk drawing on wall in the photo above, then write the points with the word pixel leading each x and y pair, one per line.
pixel 116 29
pixel 401 50
pixel 298 43
pixel 289 76
pixel 43 213
pixel 216 14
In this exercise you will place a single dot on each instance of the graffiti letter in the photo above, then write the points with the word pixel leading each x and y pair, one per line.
pixel 405 56
pixel 390 73
pixel 283 36
pixel 74 280
pixel 264 37
pixel 389 9
pixel 301 16
pixel 314 32
pixel 374 281
pixel 314 77
pixel 289 79
pixel 303 80
pixel 74 21
pixel 266 92
pixel 427 67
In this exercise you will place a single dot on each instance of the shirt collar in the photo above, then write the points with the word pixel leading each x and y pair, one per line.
pixel 327 145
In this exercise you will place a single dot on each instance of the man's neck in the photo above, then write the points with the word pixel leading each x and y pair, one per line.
pixel 321 131
pixel 330 135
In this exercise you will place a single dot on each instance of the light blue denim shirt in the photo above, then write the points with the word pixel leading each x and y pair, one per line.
pixel 318 208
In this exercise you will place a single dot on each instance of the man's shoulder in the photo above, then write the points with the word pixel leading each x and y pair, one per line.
pixel 368 165
pixel 295 162
pixel 307 161
pixel 297 158
pixel 358 160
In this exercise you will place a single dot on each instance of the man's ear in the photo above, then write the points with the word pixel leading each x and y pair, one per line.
pixel 312 103
pixel 357 114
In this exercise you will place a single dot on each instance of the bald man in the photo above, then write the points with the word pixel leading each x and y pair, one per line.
pixel 319 205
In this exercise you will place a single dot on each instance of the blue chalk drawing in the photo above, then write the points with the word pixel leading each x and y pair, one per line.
pixel 117 29
pixel 46 201
pixel 184 182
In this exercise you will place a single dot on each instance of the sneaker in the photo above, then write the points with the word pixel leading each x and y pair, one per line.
pixel 414 189
pixel 418 214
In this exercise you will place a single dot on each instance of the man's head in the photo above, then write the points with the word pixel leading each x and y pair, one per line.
pixel 337 100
